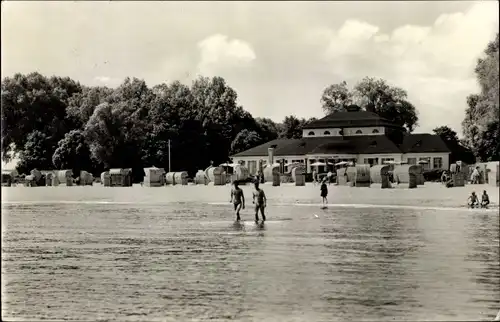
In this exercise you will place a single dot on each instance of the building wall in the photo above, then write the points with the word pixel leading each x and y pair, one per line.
pixel 250 161
pixel 379 158
pixel 445 158
pixel 347 131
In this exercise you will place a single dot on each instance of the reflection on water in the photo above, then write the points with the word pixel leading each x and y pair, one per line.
pixel 180 262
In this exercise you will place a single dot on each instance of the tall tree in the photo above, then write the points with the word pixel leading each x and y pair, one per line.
pixel 82 105
pixel 292 127
pixel 36 153
pixel 34 103
pixel 73 153
pixel 222 119
pixel 373 95
pixel 488 147
pixel 336 98
pixel 479 124
pixel 245 140
pixel 267 129
pixel 173 117
pixel 376 95
pixel 449 136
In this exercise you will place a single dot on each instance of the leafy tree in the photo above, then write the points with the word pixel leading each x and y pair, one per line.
pixel 73 153
pixel 449 136
pixel 336 98
pixel 245 140
pixel 373 95
pixel 390 102
pixel 291 127
pixel 222 119
pixel 481 116
pixel 267 129
pixel 488 147
pixel 173 117
pixel 34 103
pixel 36 153
pixel 103 132
pixel 117 130
pixel 82 105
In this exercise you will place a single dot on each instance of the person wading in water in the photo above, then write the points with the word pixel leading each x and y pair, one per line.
pixel 238 199
pixel 260 201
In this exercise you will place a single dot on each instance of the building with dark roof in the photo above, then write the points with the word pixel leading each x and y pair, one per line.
pixel 359 136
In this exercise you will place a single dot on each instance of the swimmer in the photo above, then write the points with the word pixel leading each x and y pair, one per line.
pixel 260 201
pixel 324 192
pixel 238 199
pixel 473 202
pixel 485 200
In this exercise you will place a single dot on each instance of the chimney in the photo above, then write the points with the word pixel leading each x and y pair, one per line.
pixel 270 156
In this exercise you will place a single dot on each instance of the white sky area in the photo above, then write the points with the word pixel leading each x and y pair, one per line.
pixel 278 56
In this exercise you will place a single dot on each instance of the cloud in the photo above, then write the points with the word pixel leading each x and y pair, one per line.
pixel 433 63
pixel 217 51
pixel 108 81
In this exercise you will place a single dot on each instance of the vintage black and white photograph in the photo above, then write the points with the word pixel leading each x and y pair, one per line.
pixel 307 161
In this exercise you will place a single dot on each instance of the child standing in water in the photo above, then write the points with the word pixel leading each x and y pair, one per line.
pixel 324 192
pixel 260 201
pixel 238 199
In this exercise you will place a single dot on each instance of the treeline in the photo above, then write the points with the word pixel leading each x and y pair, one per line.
pixel 57 123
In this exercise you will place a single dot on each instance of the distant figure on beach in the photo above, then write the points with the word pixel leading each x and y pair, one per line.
pixel 238 199
pixel 260 201
pixel 324 192
pixel 315 175
pixel 474 178
pixel 485 200
pixel 329 176
pixel 473 201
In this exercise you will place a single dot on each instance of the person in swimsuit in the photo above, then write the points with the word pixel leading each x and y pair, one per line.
pixel 473 202
pixel 485 200
pixel 238 199
pixel 324 192
pixel 260 201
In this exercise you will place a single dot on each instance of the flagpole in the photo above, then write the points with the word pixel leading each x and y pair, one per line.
pixel 169 169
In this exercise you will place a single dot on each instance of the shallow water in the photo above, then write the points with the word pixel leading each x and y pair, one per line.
pixel 175 254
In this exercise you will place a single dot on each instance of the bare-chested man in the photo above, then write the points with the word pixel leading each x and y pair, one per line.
pixel 260 201
pixel 238 199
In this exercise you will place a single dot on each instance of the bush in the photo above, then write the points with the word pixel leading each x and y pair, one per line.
pixel 433 175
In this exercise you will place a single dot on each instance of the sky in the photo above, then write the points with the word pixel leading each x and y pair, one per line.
pixel 278 56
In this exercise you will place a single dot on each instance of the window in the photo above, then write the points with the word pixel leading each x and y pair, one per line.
pixel 326 133
pixel 242 162
pixel 375 131
pixel 437 163
pixel 359 132
pixel 412 161
pixel 310 133
pixel 425 162
pixel 252 167
pixel 370 161
pixel 384 160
